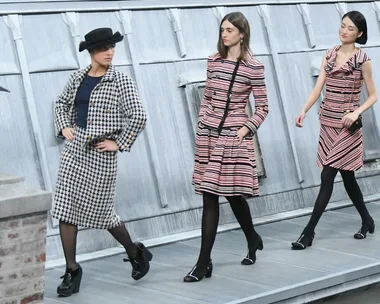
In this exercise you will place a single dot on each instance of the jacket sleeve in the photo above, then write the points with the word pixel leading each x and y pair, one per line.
pixel 259 91
pixel 134 112
pixel 62 109
pixel 207 94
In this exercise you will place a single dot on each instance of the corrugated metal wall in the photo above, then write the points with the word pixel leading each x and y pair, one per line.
pixel 162 46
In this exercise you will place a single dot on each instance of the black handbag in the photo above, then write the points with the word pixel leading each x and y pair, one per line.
pixel 357 123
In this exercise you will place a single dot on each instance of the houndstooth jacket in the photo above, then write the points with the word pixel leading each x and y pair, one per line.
pixel 115 110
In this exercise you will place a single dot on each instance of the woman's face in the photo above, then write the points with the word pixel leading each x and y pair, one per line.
pixel 348 31
pixel 103 55
pixel 230 34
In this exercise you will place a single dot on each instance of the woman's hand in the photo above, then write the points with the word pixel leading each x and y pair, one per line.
pixel 243 132
pixel 349 119
pixel 300 118
pixel 68 133
pixel 107 145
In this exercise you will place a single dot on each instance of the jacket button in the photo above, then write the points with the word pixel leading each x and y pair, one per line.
pixel 89 137
pixel 90 122
pixel 92 103
pixel 214 93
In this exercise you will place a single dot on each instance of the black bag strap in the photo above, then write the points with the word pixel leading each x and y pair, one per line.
pixel 229 94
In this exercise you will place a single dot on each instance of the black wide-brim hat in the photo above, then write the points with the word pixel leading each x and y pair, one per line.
pixel 99 37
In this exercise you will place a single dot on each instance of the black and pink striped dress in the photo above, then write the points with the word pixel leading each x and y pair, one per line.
pixel 222 166
pixel 339 147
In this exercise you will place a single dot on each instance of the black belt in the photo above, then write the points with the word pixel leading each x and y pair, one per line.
pixel 228 97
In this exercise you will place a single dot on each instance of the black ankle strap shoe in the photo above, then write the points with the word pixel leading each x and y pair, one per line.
pixel 71 282
pixel 140 263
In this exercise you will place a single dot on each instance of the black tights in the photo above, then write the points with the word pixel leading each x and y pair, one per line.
pixel 69 233
pixel 327 183
pixel 210 219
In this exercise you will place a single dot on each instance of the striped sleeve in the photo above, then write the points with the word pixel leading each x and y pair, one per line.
pixel 259 91
pixel 364 58
pixel 207 94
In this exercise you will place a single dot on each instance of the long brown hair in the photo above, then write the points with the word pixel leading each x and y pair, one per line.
pixel 241 23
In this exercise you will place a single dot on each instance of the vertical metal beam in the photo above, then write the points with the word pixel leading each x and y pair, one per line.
pixel 376 7
pixel 376 106
pixel 125 18
pixel 174 15
pixel 341 8
pixel 219 12
pixel 305 12
pixel 71 20
pixel 264 13
pixel 14 23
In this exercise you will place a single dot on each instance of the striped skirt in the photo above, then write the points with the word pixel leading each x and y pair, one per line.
pixel 85 190
pixel 222 166
pixel 340 148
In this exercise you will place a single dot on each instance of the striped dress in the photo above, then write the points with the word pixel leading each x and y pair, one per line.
pixel 339 147
pixel 222 166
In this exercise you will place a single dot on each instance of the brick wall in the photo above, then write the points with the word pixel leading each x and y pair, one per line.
pixel 22 258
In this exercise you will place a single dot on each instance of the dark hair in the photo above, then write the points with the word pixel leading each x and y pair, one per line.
pixel 359 20
pixel 239 21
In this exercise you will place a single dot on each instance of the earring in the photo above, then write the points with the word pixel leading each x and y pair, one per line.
pixel 241 40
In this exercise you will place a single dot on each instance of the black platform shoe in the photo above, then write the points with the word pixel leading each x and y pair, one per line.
pixel 198 273
pixel 71 282
pixel 250 259
pixel 303 241
pixel 362 233
pixel 140 263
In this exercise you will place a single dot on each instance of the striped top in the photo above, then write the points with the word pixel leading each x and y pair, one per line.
pixel 249 78
pixel 343 87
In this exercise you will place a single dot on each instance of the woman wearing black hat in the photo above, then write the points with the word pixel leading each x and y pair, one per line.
pixel 98 113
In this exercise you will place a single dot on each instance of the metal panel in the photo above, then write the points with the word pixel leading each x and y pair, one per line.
pixel 8 55
pixel 289 36
pixel 51 49
pixel 18 150
pixel 155 38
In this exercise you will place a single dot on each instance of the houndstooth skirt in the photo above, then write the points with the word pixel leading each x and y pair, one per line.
pixel 86 185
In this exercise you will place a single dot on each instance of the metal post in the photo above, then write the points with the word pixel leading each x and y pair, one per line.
pixel 264 13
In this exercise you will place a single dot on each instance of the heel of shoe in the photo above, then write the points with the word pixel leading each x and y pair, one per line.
pixel 209 272
pixel 310 243
pixel 77 280
pixel 148 255
pixel 372 229
pixel 261 245
pixel 76 284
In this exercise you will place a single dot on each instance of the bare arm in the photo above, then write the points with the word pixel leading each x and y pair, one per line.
pixel 314 95
pixel 370 85
pixel 350 118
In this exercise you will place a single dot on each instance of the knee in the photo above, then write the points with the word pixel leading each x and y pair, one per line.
pixel 327 176
pixel 348 178
pixel 210 201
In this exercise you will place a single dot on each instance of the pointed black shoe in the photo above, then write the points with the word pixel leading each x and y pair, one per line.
pixel 362 233
pixel 303 242
pixel 140 263
pixel 71 282
pixel 198 273
pixel 250 259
